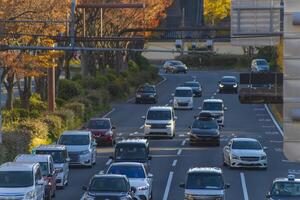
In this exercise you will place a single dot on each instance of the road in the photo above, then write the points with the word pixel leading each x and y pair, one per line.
pixel 172 158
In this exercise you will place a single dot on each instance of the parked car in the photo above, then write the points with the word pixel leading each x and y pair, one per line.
pixel 132 150
pixel 228 84
pixel 196 87
pixel 21 181
pixel 47 169
pixel 61 160
pixel 109 186
pixel 205 129
pixel 146 93
pixel 81 147
pixel 260 65
pixel 183 98
pixel 102 130
pixel 216 108
pixel 174 66
pixel 244 152
pixel 204 183
pixel 160 122
pixel 284 189
pixel 137 175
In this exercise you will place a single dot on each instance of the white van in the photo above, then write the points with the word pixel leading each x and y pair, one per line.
pixel 216 108
pixel 21 181
pixel 183 98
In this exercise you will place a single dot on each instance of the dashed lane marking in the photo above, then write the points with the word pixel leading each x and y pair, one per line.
pixel 174 163
pixel 244 186
pixel 259 109
pixel 168 186
pixel 107 114
pixel 261 115
pixel 272 133
pixel 275 141
pixel 264 120
pixel 183 142
pixel 108 162
pixel 294 171
pixel 268 126
pixel 278 149
pixel 142 127
pixel 179 152
pixel 167 104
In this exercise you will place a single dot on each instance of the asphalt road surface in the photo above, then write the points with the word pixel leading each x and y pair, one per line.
pixel 172 158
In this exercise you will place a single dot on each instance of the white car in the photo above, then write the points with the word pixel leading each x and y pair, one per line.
pixel 216 108
pixel 137 176
pixel 244 152
pixel 22 181
pixel 183 98
pixel 160 122
pixel 61 160
pixel 81 147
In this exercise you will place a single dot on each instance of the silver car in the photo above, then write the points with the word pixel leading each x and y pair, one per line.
pixel 260 65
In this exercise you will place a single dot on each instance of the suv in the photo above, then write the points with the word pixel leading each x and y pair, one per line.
pixel 196 87
pixel 183 98
pixel 260 65
pixel 146 93
pixel 160 121
pixel 21 181
pixel 284 189
pixel 81 147
pixel 204 183
pixel 216 108
pixel 132 150
pixel 228 84
pixel 109 186
pixel 47 170
pixel 205 129
pixel 61 161
pixel 174 66
pixel 102 130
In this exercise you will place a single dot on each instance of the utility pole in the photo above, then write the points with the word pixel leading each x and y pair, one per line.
pixel 1 72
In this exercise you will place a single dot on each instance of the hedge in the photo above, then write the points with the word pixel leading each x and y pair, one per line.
pixel 67 116
pixel 78 110
pixel 55 126
pixel 68 89
pixel 33 128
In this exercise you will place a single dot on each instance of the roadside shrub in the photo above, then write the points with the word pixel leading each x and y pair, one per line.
pixel 77 77
pixel 142 62
pixel 118 88
pixel 33 128
pixel 15 115
pixel 88 105
pixel 55 126
pixel 60 102
pixel 95 97
pixel 68 89
pixel 77 108
pixel 67 116
pixel 36 103
pixel 3 154
pixel 133 67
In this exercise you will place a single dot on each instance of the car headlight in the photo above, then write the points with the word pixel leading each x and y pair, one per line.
pixel 235 85
pixel 85 152
pixel 30 195
pixel 151 95
pixel 147 125
pixel 221 85
pixel 109 133
pixel 188 197
pixel 138 96
pixel 263 157
pixel 235 157
pixel 169 125
pixel 145 187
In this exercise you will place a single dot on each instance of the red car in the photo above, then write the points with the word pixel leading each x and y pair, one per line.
pixel 102 130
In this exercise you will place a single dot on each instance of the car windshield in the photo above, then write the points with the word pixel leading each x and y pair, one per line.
pixel 254 145
pixel 200 124
pixel 127 170
pixel 159 115
pixel 204 181
pixel 176 63
pixel 191 84
pixel 44 168
pixel 130 152
pixel 229 80
pixel 146 89
pixel 108 184
pixel 261 62
pixel 74 140
pixel 213 106
pixel 13 179
pixel 98 124
pixel 58 156
pixel 183 93
pixel 286 189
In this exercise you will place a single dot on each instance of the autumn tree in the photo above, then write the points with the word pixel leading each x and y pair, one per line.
pixel 216 10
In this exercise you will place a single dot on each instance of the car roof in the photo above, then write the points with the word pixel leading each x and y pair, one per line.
pixel 205 170
pixel 245 139
pixel 109 176
pixel 55 147
pixel 231 77
pixel 213 100
pixel 297 180
pixel 77 132
pixel 127 164
pixel 183 88
pixel 133 141
pixel 17 166
pixel 32 158
pixel 160 108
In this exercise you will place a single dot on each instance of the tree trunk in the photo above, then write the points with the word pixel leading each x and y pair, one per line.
pixel 9 85
pixel 41 87
pixel 26 93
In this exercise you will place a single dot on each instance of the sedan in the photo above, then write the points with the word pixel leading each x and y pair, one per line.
pixel 174 66
pixel 228 84
pixel 137 176
pixel 196 87
pixel 244 152
pixel 260 65
pixel 146 93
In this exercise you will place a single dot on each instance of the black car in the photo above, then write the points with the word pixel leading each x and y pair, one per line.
pixel 205 130
pixel 196 87
pixel 132 150
pixel 146 93
pixel 113 187
pixel 228 84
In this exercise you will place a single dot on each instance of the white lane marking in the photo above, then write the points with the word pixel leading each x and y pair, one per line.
pixel 167 190
pixel 278 149
pixel 274 120
pixel 106 115
pixel 271 126
pixel 215 94
pixel 179 152
pixel 174 163
pixel 259 109
pixel 108 162
pixel 294 171
pixel 161 82
pixel 212 97
pixel 129 100
pixel 120 134
pixel 167 104
pixel 275 141
pixel 183 142
pixel 264 120
pixel 181 135
pixel 170 101
pixel 261 115
pixel 244 186
pixel 142 127
pixel 272 133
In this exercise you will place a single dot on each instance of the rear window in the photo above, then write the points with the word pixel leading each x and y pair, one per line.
pixel 58 156
pixel 98 124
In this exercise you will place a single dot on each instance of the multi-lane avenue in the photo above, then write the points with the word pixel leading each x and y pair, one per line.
pixel 172 158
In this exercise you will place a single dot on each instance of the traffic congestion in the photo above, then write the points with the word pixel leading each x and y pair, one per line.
pixel 196 115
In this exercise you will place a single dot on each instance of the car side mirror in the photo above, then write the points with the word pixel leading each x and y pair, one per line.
pixel 268 195
pixel 95 144
pixel 182 185
pixel 150 175
pixel 173 94
pixel 175 118
pixel 265 148
pixel 68 159
pixel 227 186
pixel 84 188
pixel 225 108
pixel 144 117
pixel 133 189
pixel 113 128
pixel 149 157
pixel 200 108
